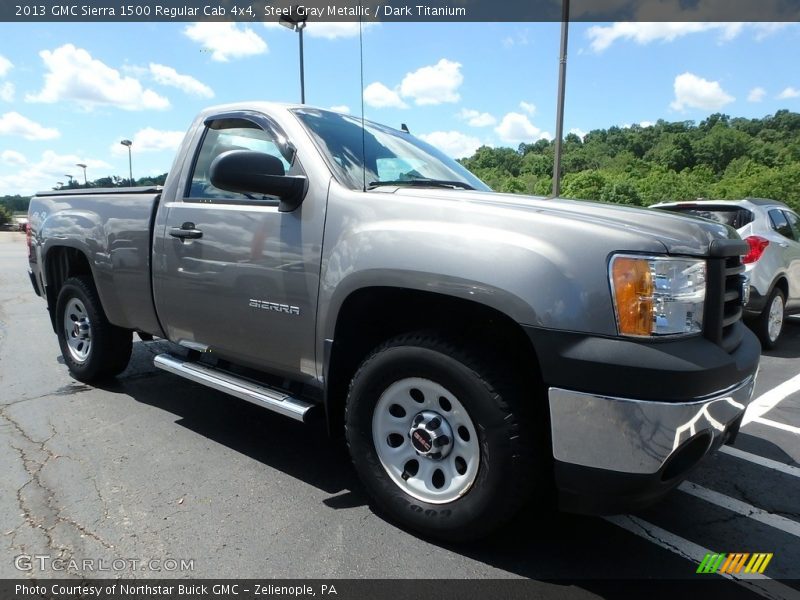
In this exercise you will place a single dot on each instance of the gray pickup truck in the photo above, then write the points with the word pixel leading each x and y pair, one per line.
pixel 478 351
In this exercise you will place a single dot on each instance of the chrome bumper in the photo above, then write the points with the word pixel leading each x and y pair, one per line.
pixel 636 436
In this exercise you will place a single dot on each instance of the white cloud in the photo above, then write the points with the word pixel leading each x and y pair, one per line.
pixel 602 37
pixel 646 124
pixel 168 76
pixel 7 92
pixel 5 66
pixel 476 118
pixel 44 174
pixel 13 123
pixel 520 38
pixel 333 31
pixel 13 158
pixel 378 95
pixel 692 91
pixel 528 107
pixel 341 108
pixel 150 140
pixel 452 143
pixel 789 92
pixel 74 75
pixel 325 30
pixel 756 94
pixel 226 41
pixel 433 84
pixel 579 132
pixel 516 128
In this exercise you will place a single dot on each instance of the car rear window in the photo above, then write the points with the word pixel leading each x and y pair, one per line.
pixel 735 216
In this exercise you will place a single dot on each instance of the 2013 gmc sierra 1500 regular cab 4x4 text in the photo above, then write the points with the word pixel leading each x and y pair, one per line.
pixel 476 349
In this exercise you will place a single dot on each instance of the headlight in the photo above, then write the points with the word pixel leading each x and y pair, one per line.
pixel 656 295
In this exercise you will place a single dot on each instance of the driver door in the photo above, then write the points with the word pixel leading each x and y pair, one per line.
pixel 239 278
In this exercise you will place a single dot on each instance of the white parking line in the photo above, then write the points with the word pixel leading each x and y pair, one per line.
pixel 760 460
pixel 743 508
pixel 776 425
pixel 768 400
pixel 755 582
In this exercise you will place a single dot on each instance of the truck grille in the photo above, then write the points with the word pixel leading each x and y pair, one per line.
pixel 724 299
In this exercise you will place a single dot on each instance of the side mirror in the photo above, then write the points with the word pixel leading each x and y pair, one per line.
pixel 243 172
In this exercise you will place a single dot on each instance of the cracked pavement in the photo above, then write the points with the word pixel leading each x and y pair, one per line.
pixel 154 467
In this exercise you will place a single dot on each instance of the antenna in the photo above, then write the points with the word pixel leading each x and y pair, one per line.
pixel 363 133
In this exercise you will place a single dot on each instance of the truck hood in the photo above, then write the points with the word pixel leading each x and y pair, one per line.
pixel 679 234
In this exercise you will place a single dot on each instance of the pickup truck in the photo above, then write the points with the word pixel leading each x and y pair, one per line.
pixel 478 351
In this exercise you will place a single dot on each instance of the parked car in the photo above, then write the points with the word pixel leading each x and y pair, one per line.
pixel 476 349
pixel 772 232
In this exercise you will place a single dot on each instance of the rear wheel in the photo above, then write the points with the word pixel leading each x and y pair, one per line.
pixel 92 347
pixel 769 325
pixel 440 437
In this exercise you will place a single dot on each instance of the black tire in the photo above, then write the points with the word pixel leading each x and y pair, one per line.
pixel 110 349
pixel 513 455
pixel 762 323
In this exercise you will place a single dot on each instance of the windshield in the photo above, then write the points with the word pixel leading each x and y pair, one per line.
pixel 392 157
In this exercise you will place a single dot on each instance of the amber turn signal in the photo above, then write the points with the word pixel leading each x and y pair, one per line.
pixel 633 292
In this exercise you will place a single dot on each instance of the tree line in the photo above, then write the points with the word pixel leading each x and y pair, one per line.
pixel 720 158
pixel 13 204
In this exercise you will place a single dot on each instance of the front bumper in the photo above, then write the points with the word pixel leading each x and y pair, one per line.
pixel 631 418
pixel 616 454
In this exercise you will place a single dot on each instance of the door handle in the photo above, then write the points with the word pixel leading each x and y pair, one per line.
pixel 186 231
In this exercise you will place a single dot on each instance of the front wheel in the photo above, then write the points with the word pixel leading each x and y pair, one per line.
pixel 440 437
pixel 92 347
pixel 770 322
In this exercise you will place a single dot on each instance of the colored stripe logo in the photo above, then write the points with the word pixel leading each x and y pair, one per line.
pixel 735 562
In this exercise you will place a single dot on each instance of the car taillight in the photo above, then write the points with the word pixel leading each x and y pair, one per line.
pixel 28 238
pixel 757 246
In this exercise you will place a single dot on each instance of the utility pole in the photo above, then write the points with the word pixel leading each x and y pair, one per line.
pixel 562 81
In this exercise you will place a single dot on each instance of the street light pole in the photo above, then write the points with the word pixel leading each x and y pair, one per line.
pixel 301 26
pixel 83 166
pixel 297 24
pixel 129 143
pixel 562 81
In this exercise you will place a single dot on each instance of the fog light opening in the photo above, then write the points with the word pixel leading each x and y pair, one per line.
pixel 687 456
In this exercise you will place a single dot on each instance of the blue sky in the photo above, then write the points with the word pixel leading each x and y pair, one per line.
pixel 70 92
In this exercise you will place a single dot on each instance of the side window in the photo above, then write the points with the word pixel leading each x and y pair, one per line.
pixel 794 223
pixel 232 134
pixel 780 224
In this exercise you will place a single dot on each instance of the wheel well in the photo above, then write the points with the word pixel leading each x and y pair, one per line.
pixel 371 316
pixel 783 285
pixel 62 262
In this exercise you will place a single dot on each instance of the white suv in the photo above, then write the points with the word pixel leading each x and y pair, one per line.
pixel 772 231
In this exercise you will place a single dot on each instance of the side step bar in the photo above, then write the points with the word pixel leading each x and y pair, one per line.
pixel 266 397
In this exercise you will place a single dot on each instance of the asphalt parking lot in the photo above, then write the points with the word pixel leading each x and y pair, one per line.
pixel 154 467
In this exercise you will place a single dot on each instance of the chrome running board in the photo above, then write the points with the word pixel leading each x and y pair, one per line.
pixel 275 400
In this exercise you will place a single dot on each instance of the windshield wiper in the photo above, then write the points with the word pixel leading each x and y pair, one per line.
pixel 422 183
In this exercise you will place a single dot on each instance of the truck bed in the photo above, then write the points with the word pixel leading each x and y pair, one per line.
pixel 112 227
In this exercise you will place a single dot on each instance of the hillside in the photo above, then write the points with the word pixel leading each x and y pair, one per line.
pixel 721 157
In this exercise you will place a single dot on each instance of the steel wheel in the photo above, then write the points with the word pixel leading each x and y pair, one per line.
pixel 775 318
pixel 77 330
pixel 425 440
